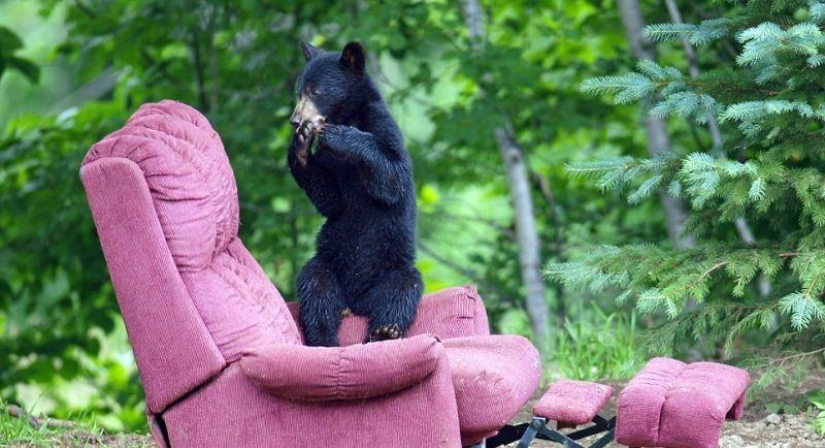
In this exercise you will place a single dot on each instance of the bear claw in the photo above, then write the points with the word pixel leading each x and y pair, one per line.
pixel 385 332
pixel 304 135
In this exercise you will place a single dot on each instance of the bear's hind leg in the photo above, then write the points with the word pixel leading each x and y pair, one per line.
pixel 320 303
pixel 391 305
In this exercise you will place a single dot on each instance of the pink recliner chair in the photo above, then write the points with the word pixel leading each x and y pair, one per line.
pixel 220 356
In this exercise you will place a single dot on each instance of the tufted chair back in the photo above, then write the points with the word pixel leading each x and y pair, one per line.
pixel 179 270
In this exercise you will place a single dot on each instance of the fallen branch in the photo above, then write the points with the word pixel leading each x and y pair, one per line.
pixel 34 422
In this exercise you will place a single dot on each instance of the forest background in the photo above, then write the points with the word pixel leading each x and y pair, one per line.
pixel 673 223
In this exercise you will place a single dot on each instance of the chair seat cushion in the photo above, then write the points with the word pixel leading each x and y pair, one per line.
pixel 573 402
pixel 493 376
pixel 676 405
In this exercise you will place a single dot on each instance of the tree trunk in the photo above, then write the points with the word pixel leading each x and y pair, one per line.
pixel 527 237
pixel 658 141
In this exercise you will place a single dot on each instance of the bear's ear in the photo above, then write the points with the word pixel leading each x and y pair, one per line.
pixel 309 50
pixel 353 58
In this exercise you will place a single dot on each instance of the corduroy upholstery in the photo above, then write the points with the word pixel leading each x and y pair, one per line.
pixel 573 402
pixel 451 312
pixel 355 372
pixel 220 356
pixel 672 404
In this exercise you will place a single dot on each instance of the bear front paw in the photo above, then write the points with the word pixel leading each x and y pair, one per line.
pixel 302 140
pixel 318 127
pixel 330 133
pixel 385 332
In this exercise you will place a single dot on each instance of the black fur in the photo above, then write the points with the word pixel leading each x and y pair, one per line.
pixel 359 177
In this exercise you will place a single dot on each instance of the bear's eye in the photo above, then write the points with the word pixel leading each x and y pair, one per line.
pixel 315 92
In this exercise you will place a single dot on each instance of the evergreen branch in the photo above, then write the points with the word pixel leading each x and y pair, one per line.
pixel 757 190
pixel 707 31
pixel 770 102
pixel 656 72
pixel 601 166
pixel 646 189
pixel 710 271
pixel 665 280
pixel 704 174
pixel 686 104
pixel 767 31
pixel 794 356
pixel 662 32
pixel 761 318
pixel 751 111
pixel 816 10
pixel 616 172
pixel 764 44
pixel 802 308
pixel 628 88
pixel 815 60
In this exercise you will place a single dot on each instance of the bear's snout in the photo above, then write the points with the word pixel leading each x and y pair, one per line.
pixel 306 112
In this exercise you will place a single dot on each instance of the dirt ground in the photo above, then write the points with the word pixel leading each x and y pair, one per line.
pixel 758 428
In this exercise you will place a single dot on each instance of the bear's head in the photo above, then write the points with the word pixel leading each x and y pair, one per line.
pixel 332 87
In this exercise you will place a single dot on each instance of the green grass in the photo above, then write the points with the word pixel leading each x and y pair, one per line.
pixel 597 346
pixel 18 432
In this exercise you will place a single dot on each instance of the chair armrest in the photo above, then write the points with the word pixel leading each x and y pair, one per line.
pixel 355 372
pixel 449 313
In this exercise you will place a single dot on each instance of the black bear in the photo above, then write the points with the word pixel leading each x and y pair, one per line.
pixel 359 177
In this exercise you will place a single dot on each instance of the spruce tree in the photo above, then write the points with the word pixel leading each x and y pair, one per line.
pixel 769 171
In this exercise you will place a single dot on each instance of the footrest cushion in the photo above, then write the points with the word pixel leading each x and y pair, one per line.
pixel 573 402
pixel 673 405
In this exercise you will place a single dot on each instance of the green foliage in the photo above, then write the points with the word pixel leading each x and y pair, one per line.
pixel 9 44
pixel 817 400
pixel 652 80
pixel 55 293
pixel 812 402
pixel 597 345
pixel 616 173
pixel 701 34
pixel 34 431
pixel 777 54
pixel 60 343
pixel 630 87
pixel 768 173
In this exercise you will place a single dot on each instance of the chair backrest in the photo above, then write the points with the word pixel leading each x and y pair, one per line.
pixel 165 204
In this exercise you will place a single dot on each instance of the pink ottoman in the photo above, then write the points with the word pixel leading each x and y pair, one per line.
pixel 570 404
pixel 672 404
